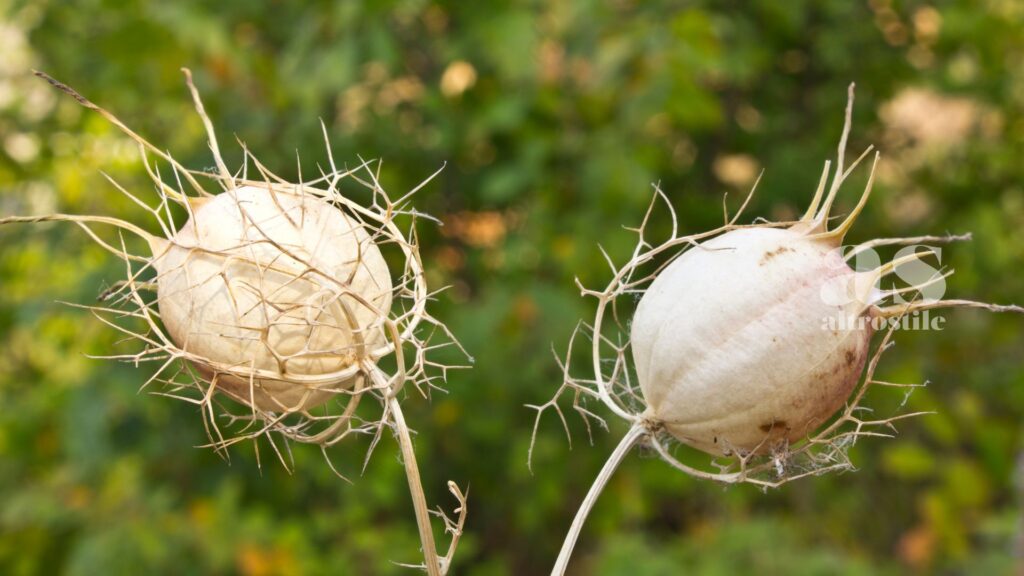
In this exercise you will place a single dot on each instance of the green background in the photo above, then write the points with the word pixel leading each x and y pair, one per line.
pixel 566 113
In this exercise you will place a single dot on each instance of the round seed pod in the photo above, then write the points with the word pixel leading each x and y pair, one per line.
pixel 758 354
pixel 275 295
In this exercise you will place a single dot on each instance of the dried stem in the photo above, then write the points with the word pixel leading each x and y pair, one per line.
pixel 635 433
pixel 419 500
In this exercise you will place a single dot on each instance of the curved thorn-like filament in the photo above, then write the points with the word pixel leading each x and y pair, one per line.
pixel 920 305
pixel 837 179
pixel 836 236
pixel 225 174
pixel 812 209
pixel 870 244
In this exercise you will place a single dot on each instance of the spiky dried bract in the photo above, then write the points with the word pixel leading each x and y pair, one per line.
pixel 273 305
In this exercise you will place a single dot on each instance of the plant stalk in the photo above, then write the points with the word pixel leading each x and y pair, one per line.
pixel 625 445
pixel 419 500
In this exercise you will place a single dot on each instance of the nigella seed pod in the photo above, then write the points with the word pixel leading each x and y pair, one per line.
pixel 729 344
pixel 749 342
pixel 279 298
pixel 275 293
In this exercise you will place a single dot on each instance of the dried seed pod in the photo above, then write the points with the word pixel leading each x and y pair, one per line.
pixel 750 342
pixel 280 297
pixel 728 343
pixel 276 293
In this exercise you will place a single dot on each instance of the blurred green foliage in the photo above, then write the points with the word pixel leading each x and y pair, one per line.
pixel 553 118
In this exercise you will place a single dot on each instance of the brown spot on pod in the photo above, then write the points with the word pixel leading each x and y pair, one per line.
pixel 773 425
pixel 773 253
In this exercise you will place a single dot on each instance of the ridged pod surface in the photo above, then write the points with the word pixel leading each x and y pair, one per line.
pixel 732 344
pixel 280 285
